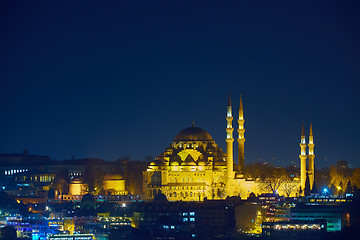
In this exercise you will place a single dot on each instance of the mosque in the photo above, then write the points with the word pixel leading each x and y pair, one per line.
pixel 194 167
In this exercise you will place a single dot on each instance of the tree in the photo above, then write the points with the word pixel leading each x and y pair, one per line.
pixel 274 177
pixel 340 188
pixel 349 188
pixel 355 179
pixel 292 171
pixel 220 192
pixel 256 170
pixel 61 181
pixel 322 177
pixel 288 187
pixel 307 186
pixel 93 177
pixel 332 189
pixel 340 173
pixel 342 164
pixel 314 189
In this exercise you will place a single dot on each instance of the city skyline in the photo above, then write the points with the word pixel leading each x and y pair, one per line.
pixel 119 79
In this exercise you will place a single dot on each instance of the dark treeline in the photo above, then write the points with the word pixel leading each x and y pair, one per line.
pixel 338 179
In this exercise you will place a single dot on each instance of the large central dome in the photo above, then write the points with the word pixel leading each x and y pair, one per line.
pixel 193 134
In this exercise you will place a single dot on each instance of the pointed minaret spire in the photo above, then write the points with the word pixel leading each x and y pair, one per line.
pixel 229 109
pixel 193 123
pixel 303 132
pixel 241 110
pixel 241 137
pixel 311 132
pixel 229 101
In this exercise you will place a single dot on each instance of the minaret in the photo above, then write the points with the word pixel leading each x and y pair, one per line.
pixel 311 157
pixel 302 157
pixel 241 138
pixel 229 141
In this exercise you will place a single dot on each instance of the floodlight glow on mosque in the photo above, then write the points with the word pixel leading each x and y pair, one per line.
pixel 194 167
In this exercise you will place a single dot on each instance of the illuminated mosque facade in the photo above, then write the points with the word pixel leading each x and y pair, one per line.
pixel 194 167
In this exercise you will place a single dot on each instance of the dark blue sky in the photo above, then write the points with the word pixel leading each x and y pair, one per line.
pixel 113 78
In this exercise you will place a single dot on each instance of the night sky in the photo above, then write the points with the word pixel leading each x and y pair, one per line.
pixel 114 78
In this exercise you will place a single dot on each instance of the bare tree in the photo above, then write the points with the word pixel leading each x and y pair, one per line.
pixel 289 187
pixel 273 178
pixel 61 181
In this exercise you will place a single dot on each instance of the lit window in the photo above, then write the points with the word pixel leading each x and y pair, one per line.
pixel 185 219
pixel 172 227
pixel 192 213
pixel 192 219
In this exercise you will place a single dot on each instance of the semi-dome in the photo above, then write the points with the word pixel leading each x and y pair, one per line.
pixel 193 134
pixel 113 176
pixel 174 163
pixel 157 162
pixel 76 180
